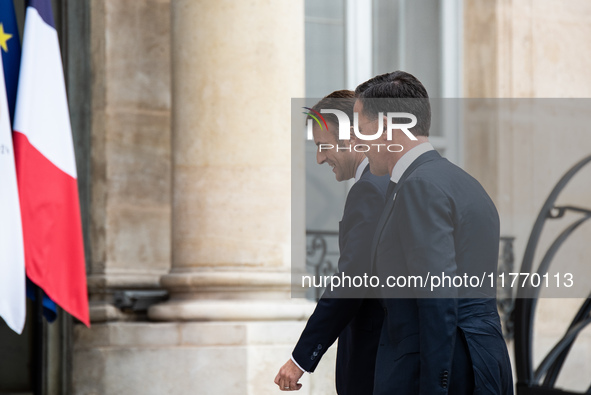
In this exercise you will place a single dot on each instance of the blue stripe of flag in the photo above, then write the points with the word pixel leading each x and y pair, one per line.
pixel 11 59
pixel 43 7
pixel 49 306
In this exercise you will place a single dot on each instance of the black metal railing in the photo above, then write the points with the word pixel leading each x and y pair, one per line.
pixel 505 297
pixel 322 255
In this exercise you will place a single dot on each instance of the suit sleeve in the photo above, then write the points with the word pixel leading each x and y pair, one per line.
pixel 335 311
pixel 427 238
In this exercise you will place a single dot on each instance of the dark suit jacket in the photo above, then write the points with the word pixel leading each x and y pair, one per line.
pixel 356 322
pixel 440 221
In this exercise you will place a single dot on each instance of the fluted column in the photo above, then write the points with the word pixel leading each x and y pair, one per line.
pixel 235 66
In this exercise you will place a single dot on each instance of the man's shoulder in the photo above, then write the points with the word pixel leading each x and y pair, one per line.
pixel 443 177
pixel 443 173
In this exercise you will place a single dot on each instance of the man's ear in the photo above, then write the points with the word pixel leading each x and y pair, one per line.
pixel 384 135
pixel 352 137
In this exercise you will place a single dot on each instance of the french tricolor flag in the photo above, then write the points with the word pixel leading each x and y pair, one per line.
pixel 46 168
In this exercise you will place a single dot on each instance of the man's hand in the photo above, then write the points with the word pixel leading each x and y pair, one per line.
pixel 288 376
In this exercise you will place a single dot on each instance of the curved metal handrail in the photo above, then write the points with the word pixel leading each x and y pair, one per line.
pixel 526 298
pixel 550 253
pixel 554 370
pixel 561 346
pixel 534 238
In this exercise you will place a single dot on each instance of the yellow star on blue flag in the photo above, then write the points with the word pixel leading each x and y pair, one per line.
pixel 4 37
pixel 11 51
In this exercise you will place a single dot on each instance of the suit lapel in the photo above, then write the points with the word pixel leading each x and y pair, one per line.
pixel 426 157
pixel 383 219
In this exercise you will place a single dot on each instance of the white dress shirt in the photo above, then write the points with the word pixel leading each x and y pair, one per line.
pixel 407 160
pixel 360 169
pixel 297 364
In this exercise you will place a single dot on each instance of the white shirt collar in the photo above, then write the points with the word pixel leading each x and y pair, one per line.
pixel 407 159
pixel 360 169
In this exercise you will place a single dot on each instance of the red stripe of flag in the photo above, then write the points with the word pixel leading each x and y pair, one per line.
pixel 52 229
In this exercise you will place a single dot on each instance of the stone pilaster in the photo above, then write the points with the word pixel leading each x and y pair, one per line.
pixel 130 150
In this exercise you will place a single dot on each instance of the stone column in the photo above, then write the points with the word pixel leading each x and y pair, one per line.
pixel 235 66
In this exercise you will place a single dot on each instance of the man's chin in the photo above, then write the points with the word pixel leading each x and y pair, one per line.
pixel 337 176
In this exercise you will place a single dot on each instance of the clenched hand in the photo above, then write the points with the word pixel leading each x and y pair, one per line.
pixel 288 376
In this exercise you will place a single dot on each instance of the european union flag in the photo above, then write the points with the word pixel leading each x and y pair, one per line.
pixel 10 46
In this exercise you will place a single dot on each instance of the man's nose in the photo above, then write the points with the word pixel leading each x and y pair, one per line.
pixel 320 157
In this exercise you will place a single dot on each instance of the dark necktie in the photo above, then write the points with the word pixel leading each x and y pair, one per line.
pixel 390 190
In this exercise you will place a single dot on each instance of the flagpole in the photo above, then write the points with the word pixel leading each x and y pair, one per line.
pixel 38 344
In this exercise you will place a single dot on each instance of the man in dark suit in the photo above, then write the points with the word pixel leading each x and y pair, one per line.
pixel 355 321
pixel 438 220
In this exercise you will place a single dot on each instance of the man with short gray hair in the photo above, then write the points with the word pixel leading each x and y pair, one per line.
pixel 356 321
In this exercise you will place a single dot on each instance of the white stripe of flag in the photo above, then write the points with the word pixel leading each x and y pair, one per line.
pixel 12 257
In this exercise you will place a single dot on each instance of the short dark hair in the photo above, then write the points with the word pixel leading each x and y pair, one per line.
pixel 378 79
pixel 343 100
pixel 383 93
